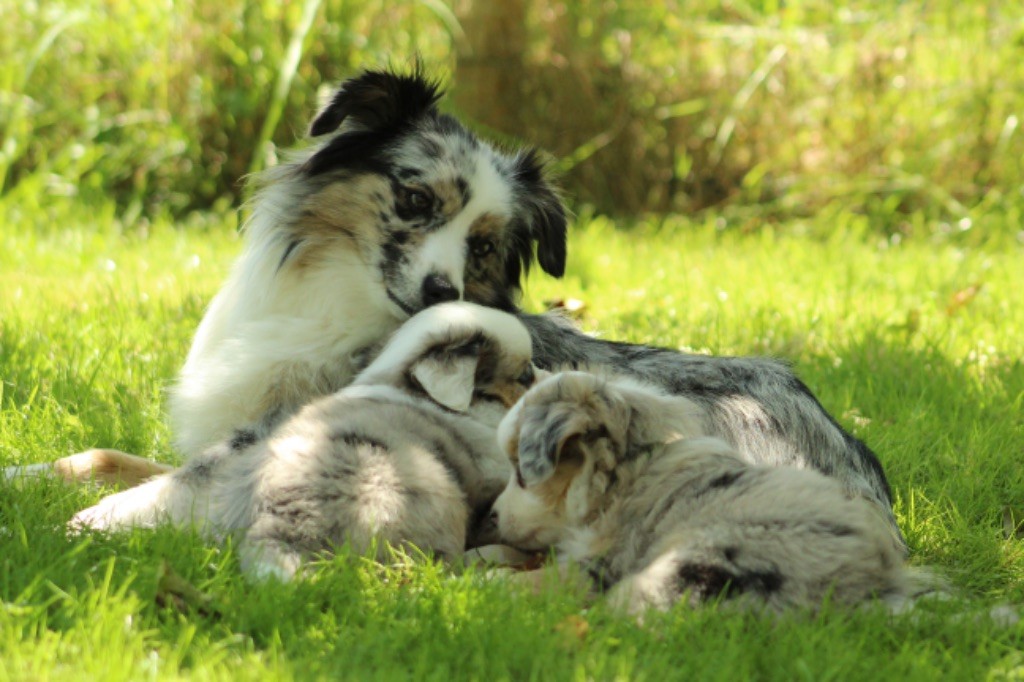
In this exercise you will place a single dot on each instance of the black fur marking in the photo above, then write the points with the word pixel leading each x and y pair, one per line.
pixel 242 439
pixel 464 191
pixel 356 440
pixel 431 148
pixel 543 221
pixel 449 125
pixel 466 347
pixel 485 370
pixel 382 101
pixel 287 252
pixel 707 581
pixel 200 469
pixel 404 174
pixel 838 530
pixel 599 577
pixel 865 454
pixel 725 480
pixel 405 307
pixel 413 204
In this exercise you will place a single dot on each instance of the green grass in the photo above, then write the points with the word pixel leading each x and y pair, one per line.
pixel 916 346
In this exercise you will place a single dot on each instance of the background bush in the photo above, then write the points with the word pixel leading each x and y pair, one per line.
pixel 755 109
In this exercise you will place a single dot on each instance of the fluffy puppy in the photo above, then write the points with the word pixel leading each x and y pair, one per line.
pixel 757 405
pixel 619 478
pixel 404 455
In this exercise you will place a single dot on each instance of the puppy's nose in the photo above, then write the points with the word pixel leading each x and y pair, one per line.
pixel 438 289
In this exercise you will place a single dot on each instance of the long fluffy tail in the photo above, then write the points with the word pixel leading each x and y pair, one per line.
pixel 108 467
pixel 924 585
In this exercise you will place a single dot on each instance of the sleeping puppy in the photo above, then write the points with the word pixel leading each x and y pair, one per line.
pixel 404 455
pixel 617 476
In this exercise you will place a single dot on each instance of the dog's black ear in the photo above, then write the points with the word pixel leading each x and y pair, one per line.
pixel 380 101
pixel 543 218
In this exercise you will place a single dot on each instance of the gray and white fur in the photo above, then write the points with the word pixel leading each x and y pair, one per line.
pixel 622 479
pixel 404 456
pixel 757 405
pixel 393 206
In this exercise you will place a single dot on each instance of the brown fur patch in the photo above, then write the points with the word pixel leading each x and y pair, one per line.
pixel 553 491
pixel 508 392
pixel 447 192
pixel 485 277
pixel 349 210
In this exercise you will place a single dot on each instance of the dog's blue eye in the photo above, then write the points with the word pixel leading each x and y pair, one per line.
pixel 481 247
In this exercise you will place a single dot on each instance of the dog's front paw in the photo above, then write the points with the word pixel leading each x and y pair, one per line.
pixel 100 516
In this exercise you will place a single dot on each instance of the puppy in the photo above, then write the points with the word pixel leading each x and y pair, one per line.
pixel 618 476
pixel 403 456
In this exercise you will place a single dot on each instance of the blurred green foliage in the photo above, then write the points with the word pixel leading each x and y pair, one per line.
pixel 908 112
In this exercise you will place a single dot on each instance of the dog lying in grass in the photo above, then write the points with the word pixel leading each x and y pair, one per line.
pixel 402 457
pixel 391 206
pixel 620 479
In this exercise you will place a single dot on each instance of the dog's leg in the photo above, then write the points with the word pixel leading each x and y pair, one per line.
pixel 164 498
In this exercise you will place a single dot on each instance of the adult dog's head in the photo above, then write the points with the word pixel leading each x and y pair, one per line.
pixel 427 209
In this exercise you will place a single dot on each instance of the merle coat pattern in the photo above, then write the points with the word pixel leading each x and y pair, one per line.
pixel 620 478
pixel 393 206
pixel 405 456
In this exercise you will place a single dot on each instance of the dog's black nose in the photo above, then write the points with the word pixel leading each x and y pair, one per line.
pixel 438 289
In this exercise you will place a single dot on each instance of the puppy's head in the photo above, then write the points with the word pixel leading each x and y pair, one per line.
pixel 434 213
pixel 464 357
pixel 564 438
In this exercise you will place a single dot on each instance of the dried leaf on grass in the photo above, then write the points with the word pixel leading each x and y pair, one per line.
pixel 534 562
pixel 963 298
pixel 572 307
pixel 173 591
pixel 573 629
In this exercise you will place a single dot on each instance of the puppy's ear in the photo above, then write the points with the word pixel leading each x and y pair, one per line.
pixel 550 434
pixel 379 101
pixel 588 421
pixel 448 375
pixel 543 218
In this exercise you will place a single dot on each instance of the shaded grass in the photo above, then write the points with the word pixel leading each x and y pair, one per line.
pixel 94 323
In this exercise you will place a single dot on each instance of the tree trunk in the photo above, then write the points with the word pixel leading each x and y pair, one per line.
pixel 489 69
